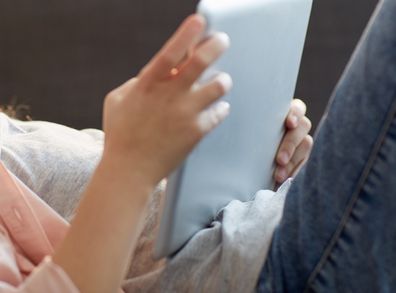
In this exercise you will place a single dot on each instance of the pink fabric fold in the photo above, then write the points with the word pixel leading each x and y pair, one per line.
pixel 29 231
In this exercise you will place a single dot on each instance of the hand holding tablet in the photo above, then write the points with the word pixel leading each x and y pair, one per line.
pixel 237 158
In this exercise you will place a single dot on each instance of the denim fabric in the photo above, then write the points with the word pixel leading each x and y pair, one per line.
pixel 338 231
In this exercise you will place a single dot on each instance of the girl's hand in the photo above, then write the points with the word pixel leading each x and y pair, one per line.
pixel 296 144
pixel 154 120
pixel 151 123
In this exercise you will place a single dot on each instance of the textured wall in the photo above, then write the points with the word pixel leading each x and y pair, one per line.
pixel 62 57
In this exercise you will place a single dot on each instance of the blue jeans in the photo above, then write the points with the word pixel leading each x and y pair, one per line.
pixel 338 232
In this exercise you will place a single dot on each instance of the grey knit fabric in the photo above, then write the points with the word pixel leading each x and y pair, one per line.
pixel 56 162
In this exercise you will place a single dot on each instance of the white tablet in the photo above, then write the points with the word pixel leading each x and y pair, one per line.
pixel 237 159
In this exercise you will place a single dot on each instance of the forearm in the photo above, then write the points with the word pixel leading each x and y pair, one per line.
pixel 97 249
pixel 156 119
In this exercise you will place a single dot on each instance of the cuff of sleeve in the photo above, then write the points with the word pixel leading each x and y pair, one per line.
pixel 49 277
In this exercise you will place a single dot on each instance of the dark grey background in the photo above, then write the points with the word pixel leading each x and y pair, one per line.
pixel 62 57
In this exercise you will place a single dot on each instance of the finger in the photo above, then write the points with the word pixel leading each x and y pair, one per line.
pixel 297 111
pixel 291 140
pixel 206 53
pixel 301 155
pixel 208 94
pixel 213 116
pixel 175 50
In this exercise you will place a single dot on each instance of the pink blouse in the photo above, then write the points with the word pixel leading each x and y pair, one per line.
pixel 29 231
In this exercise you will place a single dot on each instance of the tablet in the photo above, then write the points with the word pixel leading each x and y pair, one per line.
pixel 237 159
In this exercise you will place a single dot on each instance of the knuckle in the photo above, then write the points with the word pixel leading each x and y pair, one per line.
pixel 142 87
pixel 112 96
pixel 143 71
pixel 166 60
pixel 112 100
pixel 199 62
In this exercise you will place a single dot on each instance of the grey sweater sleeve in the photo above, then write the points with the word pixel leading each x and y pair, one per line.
pixel 54 161
pixel 225 257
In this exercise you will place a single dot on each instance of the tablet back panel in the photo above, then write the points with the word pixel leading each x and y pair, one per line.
pixel 237 159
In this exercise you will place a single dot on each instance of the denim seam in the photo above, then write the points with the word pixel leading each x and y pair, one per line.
pixel 356 195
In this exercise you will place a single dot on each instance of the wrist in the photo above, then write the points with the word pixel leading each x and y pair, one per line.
pixel 127 167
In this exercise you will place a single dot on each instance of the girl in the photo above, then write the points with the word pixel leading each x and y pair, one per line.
pixel 151 123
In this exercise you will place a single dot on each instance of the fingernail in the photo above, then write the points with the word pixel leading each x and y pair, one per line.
pixel 224 39
pixel 225 80
pixel 284 157
pixel 222 109
pixel 211 117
